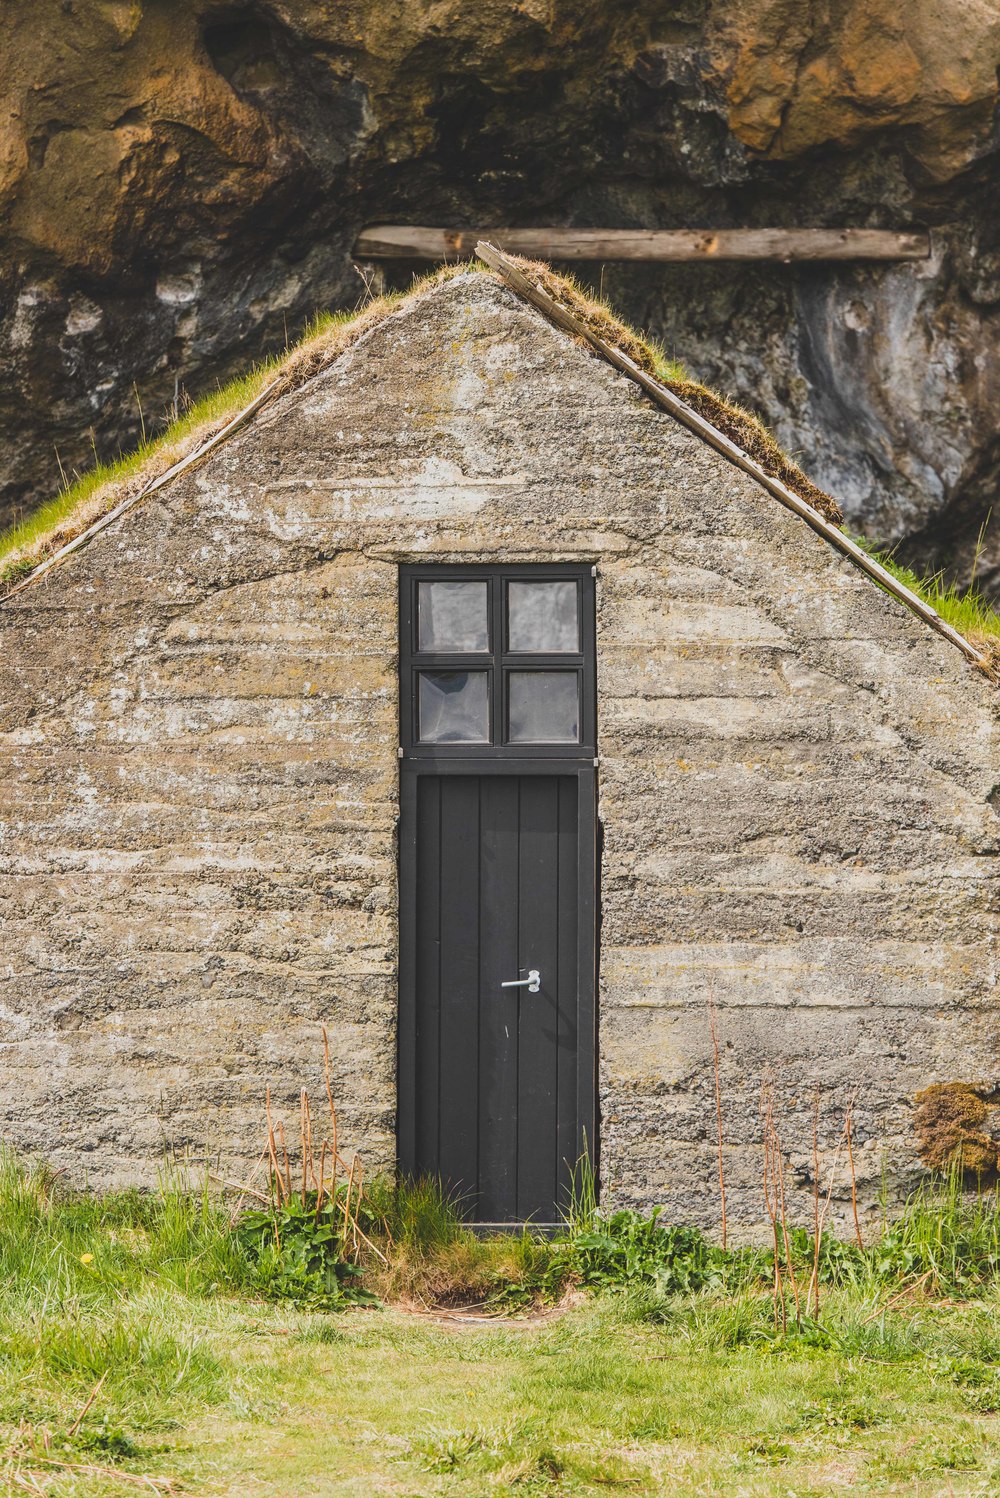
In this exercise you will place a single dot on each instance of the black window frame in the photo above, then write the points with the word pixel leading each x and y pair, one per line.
pixel 498 661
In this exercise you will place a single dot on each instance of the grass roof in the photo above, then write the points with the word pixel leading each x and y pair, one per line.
pixel 966 609
pixel 103 488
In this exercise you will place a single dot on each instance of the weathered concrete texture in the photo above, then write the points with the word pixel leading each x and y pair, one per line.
pixel 198 792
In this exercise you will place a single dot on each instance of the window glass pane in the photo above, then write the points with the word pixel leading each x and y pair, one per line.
pixel 542 616
pixel 452 616
pixel 453 707
pixel 543 707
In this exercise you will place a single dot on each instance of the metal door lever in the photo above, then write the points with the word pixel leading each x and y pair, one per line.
pixel 532 982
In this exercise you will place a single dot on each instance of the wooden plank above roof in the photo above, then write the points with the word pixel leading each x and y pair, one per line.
pixel 417 242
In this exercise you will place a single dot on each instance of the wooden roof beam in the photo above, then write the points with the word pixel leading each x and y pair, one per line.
pixel 416 242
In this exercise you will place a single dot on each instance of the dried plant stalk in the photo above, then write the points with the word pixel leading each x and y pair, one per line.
pixel 789 1265
pixel 304 1137
pixel 272 1144
pixel 777 1211
pixel 770 1205
pixel 246 1188
pixel 812 1295
pixel 281 1169
pixel 849 1136
pixel 287 1163
pixel 333 1110
pixel 93 1395
pixel 320 1188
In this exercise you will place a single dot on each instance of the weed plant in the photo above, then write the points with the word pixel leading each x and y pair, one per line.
pixel 298 1252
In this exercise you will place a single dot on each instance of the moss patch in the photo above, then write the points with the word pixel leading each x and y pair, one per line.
pixel 990 646
pixel 750 433
pixel 948 1121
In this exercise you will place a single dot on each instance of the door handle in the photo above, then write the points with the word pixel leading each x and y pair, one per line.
pixel 532 982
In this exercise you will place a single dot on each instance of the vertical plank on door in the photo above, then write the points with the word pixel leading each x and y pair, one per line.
pixel 538 1029
pixel 427 974
pixel 568 1144
pixel 458 1109
pixel 498 1006
pixel 497 884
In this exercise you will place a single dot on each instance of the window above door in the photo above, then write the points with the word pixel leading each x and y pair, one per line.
pixel 497 662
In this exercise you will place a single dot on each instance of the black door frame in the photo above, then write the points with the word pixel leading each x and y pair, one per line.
pixel 577 760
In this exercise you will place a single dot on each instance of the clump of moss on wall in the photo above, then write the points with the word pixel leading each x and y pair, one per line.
pixel 948 1121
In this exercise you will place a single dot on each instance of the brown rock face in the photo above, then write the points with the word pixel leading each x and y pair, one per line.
pixel 182 181
pixel 799 77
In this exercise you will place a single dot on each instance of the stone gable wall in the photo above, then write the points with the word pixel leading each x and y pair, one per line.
pixel 198 781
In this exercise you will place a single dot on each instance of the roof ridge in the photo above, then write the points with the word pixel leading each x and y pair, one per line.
pixel 533 281
pixel 516 273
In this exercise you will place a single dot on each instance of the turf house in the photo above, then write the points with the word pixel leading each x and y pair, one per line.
pixel 489 694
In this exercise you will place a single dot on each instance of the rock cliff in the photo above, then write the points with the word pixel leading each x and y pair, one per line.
pixel 181 183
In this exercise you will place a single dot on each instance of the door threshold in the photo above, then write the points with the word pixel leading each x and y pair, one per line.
pixel 545 1229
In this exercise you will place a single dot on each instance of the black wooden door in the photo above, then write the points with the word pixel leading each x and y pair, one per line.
pixel 498 1101
pixel 497 883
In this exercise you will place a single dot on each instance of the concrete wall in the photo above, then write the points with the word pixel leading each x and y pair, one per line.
pixel 198 780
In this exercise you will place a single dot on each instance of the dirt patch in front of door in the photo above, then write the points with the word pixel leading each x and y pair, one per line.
pixel 479 1314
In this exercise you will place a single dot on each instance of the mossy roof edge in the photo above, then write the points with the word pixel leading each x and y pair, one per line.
pixel 29 549
pixel 103 493
pixel 99 496
pixel 966 620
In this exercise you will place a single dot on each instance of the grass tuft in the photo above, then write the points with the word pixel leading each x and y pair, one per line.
pixel 966 609
pixel 434 1259
pixel 23 545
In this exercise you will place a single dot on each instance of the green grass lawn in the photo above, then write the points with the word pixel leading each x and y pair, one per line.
pixel 147 1346
pixel 225 1395
pixel 593 1403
